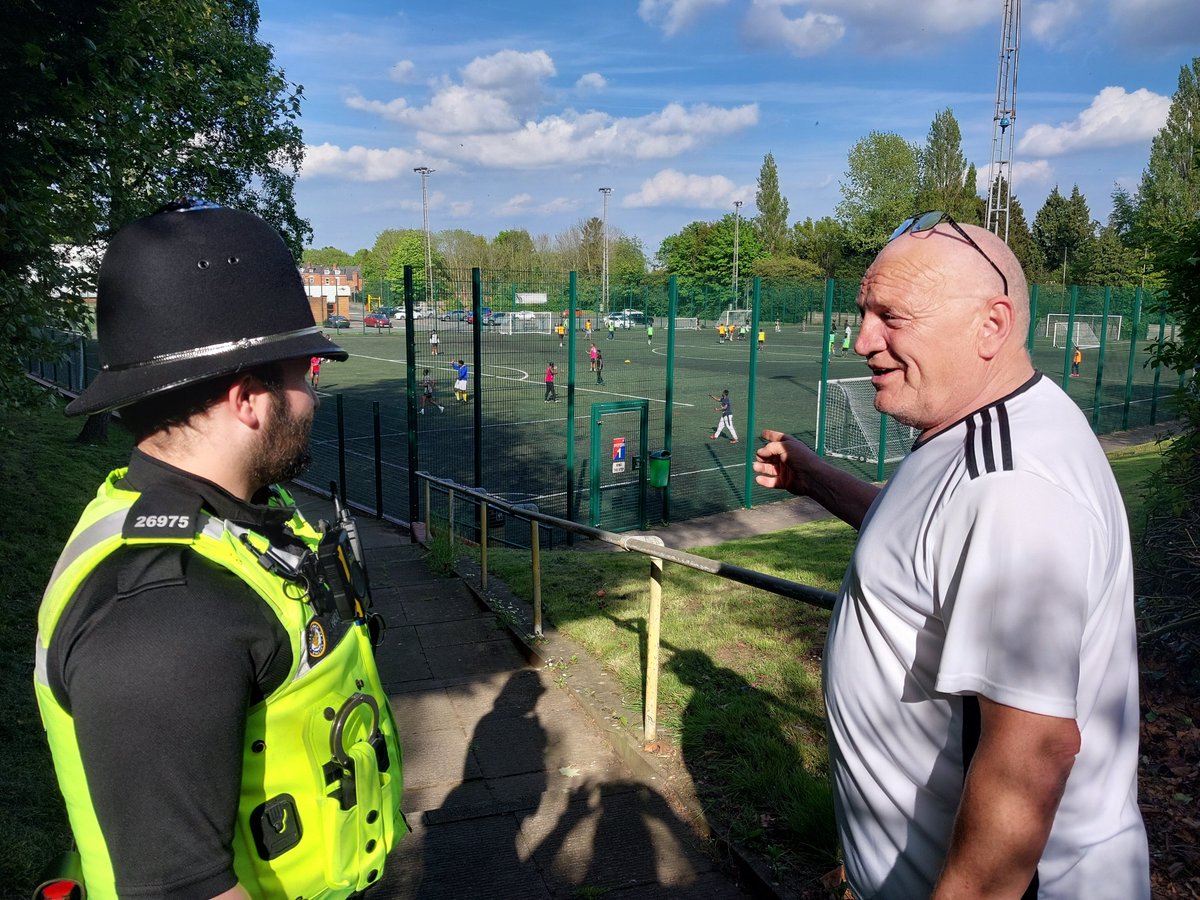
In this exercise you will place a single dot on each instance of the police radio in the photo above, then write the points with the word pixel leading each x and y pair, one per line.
pixel 341 558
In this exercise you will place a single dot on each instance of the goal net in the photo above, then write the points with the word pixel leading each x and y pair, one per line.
pixel 525 322
pixel 853 425
pixel 1094 322
pixel 1084 337
pixel 687 323
pixel 735 317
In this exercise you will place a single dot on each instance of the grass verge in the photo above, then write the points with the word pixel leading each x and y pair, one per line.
pixel 57 477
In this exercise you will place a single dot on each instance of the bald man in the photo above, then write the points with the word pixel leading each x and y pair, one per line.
pixel 980 672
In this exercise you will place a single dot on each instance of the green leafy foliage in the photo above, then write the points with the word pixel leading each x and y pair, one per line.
pixel 879 190
pixel 111 110
pixel 771 223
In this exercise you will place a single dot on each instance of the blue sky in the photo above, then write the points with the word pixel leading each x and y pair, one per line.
pixel 524 110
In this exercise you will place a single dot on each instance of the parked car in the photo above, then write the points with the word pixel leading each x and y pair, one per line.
pixel 419 313
pixel 455 315
pixel 337 322
pixel 377 320
pixel 500 318
pixel 487 311
pixel 390 311
pixel 627 318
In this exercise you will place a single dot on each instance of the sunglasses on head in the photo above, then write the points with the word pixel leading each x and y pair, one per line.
pixel 927 221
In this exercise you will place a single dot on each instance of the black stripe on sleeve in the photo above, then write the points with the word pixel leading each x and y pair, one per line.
pixel 1006 458
pixel 989 454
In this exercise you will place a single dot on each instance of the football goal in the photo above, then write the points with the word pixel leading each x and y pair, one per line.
pixel 526 322
pixel 687 323
pixel 1166 332
pixel 853 426
pixel 1087 329
pixel 735 317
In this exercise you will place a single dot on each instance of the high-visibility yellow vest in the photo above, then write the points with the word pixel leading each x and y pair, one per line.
pixel 322 768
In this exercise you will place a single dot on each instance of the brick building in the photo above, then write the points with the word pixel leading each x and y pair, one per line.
pixel 330 289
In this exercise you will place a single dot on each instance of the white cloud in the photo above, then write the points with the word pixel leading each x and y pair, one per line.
pixel 675 15
pixel 671 188
pixel 594 137
pixel 511 75
pixel 1036 172
pixel 878 26
pixel 592 81
pixel 767 25
pixel 360 163
pixel 1114 118
pixel 453 110
pixel 1156 23
pixel 1052 19
pixel 462 208
pixel 402 71
pixel 523 205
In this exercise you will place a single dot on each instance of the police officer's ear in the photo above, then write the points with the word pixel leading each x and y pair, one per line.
pixel 996 324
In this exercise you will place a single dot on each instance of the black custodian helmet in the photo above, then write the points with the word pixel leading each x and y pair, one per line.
pixel 193 292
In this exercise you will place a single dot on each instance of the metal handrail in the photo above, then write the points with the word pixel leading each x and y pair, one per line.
pixel 650 545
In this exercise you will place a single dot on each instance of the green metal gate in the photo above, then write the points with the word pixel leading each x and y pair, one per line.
pixel 617 494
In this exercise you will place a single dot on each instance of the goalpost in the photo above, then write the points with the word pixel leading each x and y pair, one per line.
pixel 528 323
pixel 852 424
pixel 1087 327
pixel 735 317
pixel 687 323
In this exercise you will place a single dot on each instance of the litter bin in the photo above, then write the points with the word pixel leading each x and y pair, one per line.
pixel 660 468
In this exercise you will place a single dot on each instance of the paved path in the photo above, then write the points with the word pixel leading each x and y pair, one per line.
pixel 511 789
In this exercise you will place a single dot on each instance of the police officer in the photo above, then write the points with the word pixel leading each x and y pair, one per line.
pixel 204 665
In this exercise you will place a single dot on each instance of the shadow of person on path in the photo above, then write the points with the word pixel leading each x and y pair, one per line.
pixel 636 840
pixel 470 843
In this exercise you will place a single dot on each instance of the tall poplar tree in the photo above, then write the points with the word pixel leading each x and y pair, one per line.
pixel 772 220
pixel 1169 194
pixel 944 169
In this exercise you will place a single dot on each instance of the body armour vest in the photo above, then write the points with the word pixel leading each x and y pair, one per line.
pixel 321 766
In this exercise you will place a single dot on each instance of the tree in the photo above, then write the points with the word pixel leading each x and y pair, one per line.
pixel 1062 233
pixel 880 189
pixel 773 268
pixel 1169 194
pixel 771 222
pixel 111 109
pixel 326 256
pixel 942 182
pixel 822 242
pixel 407 248
pixel 513 249
pixel 701 255
pixel 461 249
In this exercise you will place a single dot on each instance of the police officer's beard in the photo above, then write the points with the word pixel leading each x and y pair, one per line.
pixel 283 450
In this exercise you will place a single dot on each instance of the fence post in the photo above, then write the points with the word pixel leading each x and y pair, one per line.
pixel 341 430
pixel 428 512
pixel 483 544
pixel 1033 319
pixel 378 461
pixel 1162 336
pixel 1133 342
pixel 752 393
pixel 653 632
pixel 1100 360
pixel 535 547
pixel 1066 372
pixel 821 388
pixel 450 514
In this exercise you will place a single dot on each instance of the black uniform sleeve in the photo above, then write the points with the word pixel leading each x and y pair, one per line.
pixel 158 657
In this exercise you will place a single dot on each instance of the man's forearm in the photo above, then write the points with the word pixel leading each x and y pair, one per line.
pixel 1008 805
pixel 843 494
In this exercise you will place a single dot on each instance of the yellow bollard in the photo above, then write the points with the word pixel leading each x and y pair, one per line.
pixel 653 629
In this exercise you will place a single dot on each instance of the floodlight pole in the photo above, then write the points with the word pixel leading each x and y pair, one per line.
pixel 604 259
pixel 425 172
pixel 737 217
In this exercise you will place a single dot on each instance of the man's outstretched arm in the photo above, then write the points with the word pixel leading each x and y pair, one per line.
pixel 788 464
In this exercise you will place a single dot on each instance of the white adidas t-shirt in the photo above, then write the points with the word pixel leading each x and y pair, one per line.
pixel 996 562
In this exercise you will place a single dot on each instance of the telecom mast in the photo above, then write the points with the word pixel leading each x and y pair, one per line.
pixel 1004 123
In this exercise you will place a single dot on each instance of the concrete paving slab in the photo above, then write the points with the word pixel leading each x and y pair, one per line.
pixel 460 631
pixel 449 602
pixel 399 657
pixel 474 659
